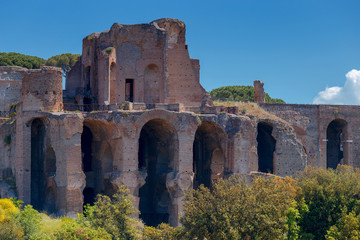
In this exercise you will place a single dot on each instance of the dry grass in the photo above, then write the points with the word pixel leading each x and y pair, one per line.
pixel 249 109
pixel 49 224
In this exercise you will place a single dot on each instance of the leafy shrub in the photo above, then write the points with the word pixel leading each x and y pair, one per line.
pixel 29 220
pixel 161 232
pixel 10 231
pixel 113 214
pixel 7 209
pixel 236 210
pixel 329 194
pixel 71 230
pixel 347 227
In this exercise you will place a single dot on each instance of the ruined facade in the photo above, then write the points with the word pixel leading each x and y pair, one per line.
pixel 134 114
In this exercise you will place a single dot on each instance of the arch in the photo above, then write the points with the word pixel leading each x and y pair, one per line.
pixel 153 84
pixel 97 158
pixel 50 162
pixel 157 156
pixel 208 153
pixel 157 114
pixel 113 84
pixel 336 133
pixel 88 165
pixel 87 77
pixel 38 179
pixel 50 172
pixel 266 147
pixel 50 200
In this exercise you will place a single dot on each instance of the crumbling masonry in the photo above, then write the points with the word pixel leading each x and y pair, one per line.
pixel 134 114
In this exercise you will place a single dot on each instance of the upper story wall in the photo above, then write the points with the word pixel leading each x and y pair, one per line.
pixel 36 89
pixel 146 63
pixel 42 89
pixel 10 85
pixel 311 123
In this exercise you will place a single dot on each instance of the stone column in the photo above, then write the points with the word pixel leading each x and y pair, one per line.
pixel 259 92
pixel 23 158
pixel 70 179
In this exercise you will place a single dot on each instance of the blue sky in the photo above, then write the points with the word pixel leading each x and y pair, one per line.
pixel 297 48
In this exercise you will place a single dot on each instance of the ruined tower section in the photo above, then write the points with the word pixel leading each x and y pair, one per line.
pixel 182 71
pixel 259 92
pixel 42 89
pixel 10 85
pixel 142 63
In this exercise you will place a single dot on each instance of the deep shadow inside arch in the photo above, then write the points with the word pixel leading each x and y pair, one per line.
pixel 335 134
pixel 50 188
pixel 266 147
pixel 38 178
pixel 208 154
pixel 157 147
pixel 87 165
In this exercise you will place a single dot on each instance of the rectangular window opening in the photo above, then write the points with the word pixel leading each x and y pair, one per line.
pixel 129 90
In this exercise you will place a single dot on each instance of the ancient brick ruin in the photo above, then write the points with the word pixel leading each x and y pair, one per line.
pixel 134 114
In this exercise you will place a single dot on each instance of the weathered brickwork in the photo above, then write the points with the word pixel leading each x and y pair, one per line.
pixel 158 132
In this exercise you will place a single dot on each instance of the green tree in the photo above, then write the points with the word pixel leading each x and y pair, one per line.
pixel 21 60
pixel 329 194
pixel 113 214
pixel 65 61
pixel 346 228
pixel 239 93
pixel 236 210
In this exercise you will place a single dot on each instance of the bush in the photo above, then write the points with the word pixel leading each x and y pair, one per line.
pixel 29 220
pixel 329 194
pixel 71 230
pixel 162 232
pixel 10 231
pixel 113 214
pixel 347 227
pixel 236 210
pixel 7 209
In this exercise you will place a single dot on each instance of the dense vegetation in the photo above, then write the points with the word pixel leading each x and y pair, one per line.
pixel 21 60
pixel 316 204
pixel 64 61
pixel 239 93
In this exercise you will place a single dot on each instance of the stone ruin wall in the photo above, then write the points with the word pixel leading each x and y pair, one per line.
pixel 154 56
pixel 193 148
pixel 10 85
pixel 310 123
pixel 42 89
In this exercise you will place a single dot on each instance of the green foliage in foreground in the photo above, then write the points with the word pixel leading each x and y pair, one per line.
pixel 317 204
pixel 239 93
pixel 329 194
pixel 236 210
pixel 21 60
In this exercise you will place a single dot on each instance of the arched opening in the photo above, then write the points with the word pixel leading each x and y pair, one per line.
pixel 153 84
pixel 88 165
pixel 335 147
pixel 38 178
pixel 106 186
pixel 113 84
pixel 266 147
pixel 50 201
pixel 158 146
pixel 50 172
pixel 208 154
pixel 87 78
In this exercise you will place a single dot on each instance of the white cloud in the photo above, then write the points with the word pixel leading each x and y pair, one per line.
pixel 348 94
